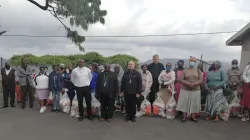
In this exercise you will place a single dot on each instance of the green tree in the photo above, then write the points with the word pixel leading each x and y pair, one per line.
pixel 91 57
pixel 79 13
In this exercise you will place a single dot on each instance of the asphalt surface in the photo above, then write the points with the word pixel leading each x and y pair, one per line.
pixel 29 124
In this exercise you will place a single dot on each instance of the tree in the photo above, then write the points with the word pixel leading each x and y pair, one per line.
pixel 80 13
pixel 90 58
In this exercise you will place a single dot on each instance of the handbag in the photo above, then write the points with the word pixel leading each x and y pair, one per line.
pixel 226 91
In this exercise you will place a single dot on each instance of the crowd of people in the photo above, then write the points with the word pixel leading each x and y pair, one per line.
pixel 218 93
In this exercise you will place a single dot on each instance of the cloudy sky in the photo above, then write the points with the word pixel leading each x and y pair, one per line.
pixel 131 17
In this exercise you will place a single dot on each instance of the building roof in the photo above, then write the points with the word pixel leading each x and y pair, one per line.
pixel 236 39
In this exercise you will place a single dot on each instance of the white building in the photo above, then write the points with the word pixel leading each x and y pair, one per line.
pixel 242 38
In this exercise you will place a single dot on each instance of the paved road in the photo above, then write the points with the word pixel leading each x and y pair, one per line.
pixel 29 124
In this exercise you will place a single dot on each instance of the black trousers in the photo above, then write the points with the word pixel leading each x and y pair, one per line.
pixel 154 90
pixel 130 101
pixel 9 91
pixel 84 92
pixel 107 106
pixel 25 91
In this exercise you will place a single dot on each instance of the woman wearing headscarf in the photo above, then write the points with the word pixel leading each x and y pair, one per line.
pixel 178 72
pixel 42 88
pixel 166 80
pixel 190 96
pixel 245 102
pixel 216 102
pixel 234 82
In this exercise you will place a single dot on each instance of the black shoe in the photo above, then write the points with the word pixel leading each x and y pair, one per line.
pixel 126 119
pixel 31 106
pixel 57 110
pixel 13 106
pixel 90 118
pixel 5 106
pixel 133 120
pixel 80 118
pixel 23 107
pixel 53 110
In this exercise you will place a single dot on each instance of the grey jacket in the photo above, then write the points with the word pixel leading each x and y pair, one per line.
pixel 22 74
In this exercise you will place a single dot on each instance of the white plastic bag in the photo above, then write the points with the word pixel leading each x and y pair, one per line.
pixel 170 108
pixel 74 108
pixel 50 99
pixel 96 106
pixel 145 108
pixel 159 107
pixel 65 103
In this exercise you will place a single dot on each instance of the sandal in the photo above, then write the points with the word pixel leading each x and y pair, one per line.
pixel 194 120
pixel 183 120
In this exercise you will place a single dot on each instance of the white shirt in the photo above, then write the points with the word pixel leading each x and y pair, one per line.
pixel 81 77
pixel 42 81
pixel 8 71
pixel 246 74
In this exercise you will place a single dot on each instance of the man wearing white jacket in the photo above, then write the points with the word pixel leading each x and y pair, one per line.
pixel 42 88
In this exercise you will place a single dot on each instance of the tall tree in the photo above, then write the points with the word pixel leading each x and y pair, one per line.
pixel 80 13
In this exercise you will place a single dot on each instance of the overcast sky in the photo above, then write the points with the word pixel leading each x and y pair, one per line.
pixel 131 17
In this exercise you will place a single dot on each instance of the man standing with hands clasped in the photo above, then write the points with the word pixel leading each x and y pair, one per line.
pixel 131 88
pixel 81 77
pixel 106 90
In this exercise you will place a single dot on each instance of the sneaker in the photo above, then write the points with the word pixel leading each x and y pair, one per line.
pixel 244 119
pixel 42 109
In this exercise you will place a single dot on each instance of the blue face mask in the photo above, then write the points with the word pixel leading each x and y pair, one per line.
pixel 192 64
pixel 168 68
pixel 234 66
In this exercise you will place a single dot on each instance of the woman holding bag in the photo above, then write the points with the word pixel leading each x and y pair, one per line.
pixel 189 102
pixel 166 80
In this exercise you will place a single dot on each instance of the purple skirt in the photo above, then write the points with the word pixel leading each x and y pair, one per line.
pixel 42 94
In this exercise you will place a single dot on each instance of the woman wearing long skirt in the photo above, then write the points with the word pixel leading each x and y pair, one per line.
pixel 245 102
pixel 216 102
pixel 166 80
pixel 189 102
pixel 42 88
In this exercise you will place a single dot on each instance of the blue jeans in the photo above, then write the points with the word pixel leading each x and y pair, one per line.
pixel 56 98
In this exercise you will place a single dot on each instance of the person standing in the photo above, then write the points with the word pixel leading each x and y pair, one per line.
pixel 190 96
pixel 94 72
pixel 131 89
pixel 24 73
pixel 9 80
pixel 245 102
pixel 216 102
pixel 69 84
pixel 81 78
pixel 120 99
pixel 42 88
pixel 234 81
pixel 55 86
pixel 155 69
pixel 107 89
pixel 146 84
pixel 178 71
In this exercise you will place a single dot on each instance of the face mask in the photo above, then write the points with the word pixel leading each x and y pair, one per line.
pixel 191 64
pixel 168 68
pixel 234 66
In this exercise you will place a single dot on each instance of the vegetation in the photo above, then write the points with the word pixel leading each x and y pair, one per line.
pixel 79 13
pixel 91 57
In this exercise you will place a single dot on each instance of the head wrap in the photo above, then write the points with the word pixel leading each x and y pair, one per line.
pixel 101 67
pixel 192 59
pixel 218 63
pixel 181 61
pixel 62 65
pixel 169 65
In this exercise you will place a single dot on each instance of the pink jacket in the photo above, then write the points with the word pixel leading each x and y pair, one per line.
pixel 146 81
